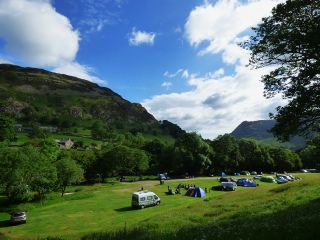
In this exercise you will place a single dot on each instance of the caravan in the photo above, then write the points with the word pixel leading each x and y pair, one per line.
pixel 144 198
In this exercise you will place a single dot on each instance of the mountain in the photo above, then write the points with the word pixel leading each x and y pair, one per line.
pixel 258 130
pixel 36 96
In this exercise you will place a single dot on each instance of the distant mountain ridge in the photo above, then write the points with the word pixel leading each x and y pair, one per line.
pixel 258 130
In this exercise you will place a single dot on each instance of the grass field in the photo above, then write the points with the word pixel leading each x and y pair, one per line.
pixel 246 212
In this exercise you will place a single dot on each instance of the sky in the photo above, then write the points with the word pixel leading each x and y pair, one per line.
pixel 180 59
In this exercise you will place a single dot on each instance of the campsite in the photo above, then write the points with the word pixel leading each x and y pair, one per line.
pixel 106 209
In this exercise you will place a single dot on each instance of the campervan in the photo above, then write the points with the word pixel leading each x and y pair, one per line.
pixel 231 186
pixel 144 198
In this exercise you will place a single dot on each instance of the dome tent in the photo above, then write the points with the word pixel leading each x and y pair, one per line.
pixel 195 192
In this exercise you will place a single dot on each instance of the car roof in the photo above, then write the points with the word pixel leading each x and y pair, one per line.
pixel 18 211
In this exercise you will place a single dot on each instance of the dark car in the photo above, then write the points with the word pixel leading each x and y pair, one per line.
pixel 224 179
pixel 18 216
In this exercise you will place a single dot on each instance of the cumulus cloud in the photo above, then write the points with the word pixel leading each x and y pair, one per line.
pixel 218 25
pixel 36 33
pixel 217 105
pixel 219 102
pixel 38 36
pixel 138 37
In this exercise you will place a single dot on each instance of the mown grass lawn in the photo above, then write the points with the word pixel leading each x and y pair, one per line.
pixel 107 207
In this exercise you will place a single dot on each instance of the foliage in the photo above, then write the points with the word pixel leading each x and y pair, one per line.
pixel 39 133
pixel 68 172
pixel 284 159
pixel 15 174
pixel 227 156
pixel 7 132
pixel 288 41
pixel 121 160
pixel 194 152
pixel 255 156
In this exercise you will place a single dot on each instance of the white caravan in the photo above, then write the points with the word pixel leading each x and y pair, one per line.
pixel 144 198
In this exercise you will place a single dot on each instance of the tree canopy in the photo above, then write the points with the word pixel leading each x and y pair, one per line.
pixel 288 41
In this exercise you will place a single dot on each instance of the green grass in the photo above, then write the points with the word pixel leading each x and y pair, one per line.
pixel 103 211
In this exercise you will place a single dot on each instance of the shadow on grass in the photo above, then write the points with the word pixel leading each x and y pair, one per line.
pixel 125 209
pixel 5 223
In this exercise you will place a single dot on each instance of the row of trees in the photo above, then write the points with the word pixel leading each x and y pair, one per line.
pixel 40 166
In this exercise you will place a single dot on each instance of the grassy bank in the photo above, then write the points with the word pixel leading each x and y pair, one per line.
pixel 103 211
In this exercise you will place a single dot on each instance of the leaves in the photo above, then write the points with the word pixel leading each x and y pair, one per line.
pixel 288 40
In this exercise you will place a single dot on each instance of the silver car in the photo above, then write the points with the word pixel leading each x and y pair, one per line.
pixel 18 216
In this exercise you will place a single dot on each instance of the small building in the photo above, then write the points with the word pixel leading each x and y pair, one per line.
pixel 65 143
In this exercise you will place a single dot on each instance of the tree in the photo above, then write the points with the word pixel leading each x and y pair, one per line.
pixel 284 159
pixel 156 151
pixel 88 161
pixel 14 174
pixel 7 132
pixel 68 172
pixel 40 133
pixel 255 156
pixel 227 155
pixel 98 130
pixel 310 154
pixel 122 160
pixel 194 153
pixel 288 40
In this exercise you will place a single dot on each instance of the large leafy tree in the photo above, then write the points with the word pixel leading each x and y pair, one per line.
pixel 68 171
pixel 255 156
pixel 227 157
pixel 194 152
pixel 15 175
pixel 7 132
pixel 288 41
pixel 122 160
pixel 284 159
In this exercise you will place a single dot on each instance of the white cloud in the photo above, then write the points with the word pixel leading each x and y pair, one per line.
pixel 80 71
pixel 36 33
pixel 167 85
pixel 137 38
pixel 218 25
pixel 218 103
pixel 171 75
pixel 185 73
pixel 38 36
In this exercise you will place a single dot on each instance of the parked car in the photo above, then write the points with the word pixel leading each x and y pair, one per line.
pixel 223 179
pixel 257 176
pixel 18 216
pixel 281 179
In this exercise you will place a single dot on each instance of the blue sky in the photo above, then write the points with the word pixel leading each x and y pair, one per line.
pixel 179 58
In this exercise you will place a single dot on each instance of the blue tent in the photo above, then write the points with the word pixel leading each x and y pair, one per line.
pixel 246 183
pixel 195 192
pixel 221 174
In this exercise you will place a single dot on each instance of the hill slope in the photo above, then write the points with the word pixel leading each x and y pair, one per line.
pixel 32 95
pixel 258 130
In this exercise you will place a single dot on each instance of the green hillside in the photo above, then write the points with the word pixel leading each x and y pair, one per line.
pixel 258 130
pixel 38 97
